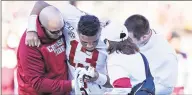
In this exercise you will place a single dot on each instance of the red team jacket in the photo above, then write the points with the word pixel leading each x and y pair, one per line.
pixel 42 70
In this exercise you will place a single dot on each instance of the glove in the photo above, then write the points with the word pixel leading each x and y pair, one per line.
pixel 80 85
pixel 77 81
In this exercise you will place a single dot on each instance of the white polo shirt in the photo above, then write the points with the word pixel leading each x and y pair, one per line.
pixel 163 63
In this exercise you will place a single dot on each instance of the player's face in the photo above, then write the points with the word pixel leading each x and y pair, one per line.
pixel 89 42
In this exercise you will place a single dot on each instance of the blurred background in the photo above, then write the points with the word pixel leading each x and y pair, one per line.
pixel 172 18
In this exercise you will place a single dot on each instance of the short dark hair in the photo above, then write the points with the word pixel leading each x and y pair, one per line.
pixel 138 25
pixel 88 25
pixel 126 47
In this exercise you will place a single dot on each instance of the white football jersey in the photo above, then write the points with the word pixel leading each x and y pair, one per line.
pixel 77 56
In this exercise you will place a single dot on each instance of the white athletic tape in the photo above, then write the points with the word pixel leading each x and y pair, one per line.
pixel 32 23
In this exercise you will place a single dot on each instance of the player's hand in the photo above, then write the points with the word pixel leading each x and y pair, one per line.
pixel 32 39
pixel 92 73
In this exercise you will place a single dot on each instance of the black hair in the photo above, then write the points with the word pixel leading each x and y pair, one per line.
pixel 88 25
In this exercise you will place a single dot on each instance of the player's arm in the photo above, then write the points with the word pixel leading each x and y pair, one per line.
pixel 31 35
pixel 39 5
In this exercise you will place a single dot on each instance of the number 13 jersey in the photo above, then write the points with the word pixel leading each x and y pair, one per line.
pixel 77 55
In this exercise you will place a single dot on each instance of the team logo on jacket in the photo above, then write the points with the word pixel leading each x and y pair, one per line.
pixel 57 47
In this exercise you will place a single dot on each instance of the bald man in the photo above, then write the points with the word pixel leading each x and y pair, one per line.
pixel 43 70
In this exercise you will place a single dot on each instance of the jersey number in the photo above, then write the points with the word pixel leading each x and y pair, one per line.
pixel 92 60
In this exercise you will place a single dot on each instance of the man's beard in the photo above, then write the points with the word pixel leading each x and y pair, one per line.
pixel 52 39
pixel 55 38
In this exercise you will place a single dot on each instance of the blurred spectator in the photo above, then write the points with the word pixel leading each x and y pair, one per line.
pixel 175 41
pixel 74 3
pixel 8 66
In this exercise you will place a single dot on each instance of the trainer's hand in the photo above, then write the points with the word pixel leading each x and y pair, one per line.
pixel 32 39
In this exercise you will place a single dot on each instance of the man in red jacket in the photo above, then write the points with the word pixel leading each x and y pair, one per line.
pixel 43 70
